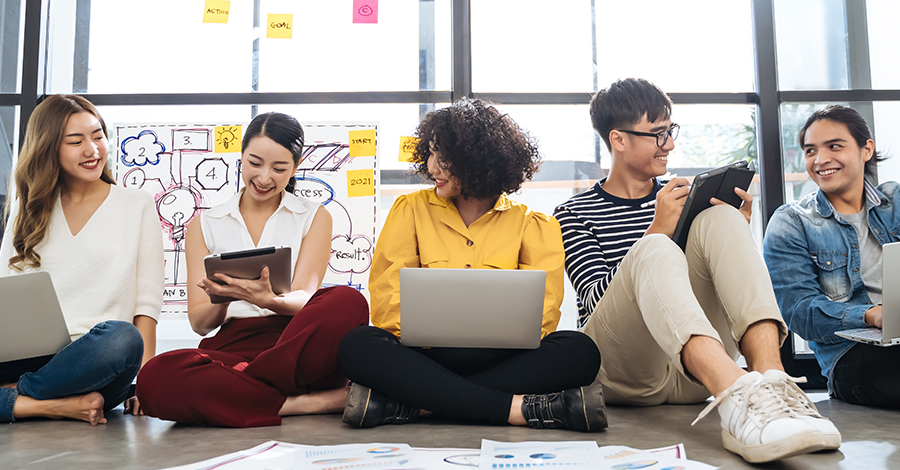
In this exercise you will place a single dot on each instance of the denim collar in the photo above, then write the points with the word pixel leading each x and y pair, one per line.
pixel 874 198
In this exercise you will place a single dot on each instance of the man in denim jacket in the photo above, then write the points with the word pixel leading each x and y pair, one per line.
pixel 824 255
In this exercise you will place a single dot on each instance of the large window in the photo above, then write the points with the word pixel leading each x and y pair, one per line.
pixel 744 75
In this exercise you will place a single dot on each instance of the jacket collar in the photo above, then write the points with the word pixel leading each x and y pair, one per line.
pixel 874 198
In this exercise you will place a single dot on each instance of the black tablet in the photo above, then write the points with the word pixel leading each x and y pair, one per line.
pixel 718 183
pixel 247 264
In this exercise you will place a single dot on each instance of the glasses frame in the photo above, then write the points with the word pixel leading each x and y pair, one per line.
pixel 664 134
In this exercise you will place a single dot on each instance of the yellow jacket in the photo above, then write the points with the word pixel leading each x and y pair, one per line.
pixel 424 230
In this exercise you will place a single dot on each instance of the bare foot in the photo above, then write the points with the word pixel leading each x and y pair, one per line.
pixel 87 408
pixel 316 402
pixel 9 385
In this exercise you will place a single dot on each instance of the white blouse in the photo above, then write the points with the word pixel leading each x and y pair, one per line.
pixel 224 230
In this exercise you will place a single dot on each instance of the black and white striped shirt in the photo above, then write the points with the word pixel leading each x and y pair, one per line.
pixel 598 230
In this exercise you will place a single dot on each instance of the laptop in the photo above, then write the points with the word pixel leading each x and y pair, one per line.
pixel 889 333
pixel 471 308
pixel 33 322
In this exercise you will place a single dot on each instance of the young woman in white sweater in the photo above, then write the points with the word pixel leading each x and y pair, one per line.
pixel 102 247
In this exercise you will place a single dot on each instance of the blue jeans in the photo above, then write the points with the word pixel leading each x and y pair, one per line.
pixel 105 360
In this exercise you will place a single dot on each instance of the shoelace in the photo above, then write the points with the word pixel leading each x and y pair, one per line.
pixel 796 398
pixel 758 396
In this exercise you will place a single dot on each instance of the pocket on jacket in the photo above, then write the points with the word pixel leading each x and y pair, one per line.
pixel 833 275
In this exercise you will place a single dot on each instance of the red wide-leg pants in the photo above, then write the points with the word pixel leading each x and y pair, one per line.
pixel 242 376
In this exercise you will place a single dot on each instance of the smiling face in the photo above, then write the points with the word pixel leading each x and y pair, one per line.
pixel 84 149
pixel 836 163
pixel 266 168
pixel 445 184
pixel 639 156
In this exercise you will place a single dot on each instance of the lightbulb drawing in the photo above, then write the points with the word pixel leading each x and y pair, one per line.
pixel 176 207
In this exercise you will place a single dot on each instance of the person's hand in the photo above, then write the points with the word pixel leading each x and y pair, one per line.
pixel 873 316
pixel 746 206
pixel 669 203
pixel 133 406
pixel 257 292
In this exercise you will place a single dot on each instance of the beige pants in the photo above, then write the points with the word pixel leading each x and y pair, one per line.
pixel 661 296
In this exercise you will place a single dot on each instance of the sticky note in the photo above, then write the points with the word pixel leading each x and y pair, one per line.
pixel 280 25
pixel 365 11
pixel 407 148
pixel 361 182
pixel 228 139
pixel 362 143
pixel 216 11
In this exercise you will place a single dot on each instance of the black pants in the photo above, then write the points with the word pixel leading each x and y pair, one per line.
pixel 475 384
pixel 869 375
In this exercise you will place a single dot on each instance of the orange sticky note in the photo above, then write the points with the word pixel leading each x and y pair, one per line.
pixel 280 25
pixel 228 139
pixel 362 143
pixel 360 183
pixel 408 148
pixel 216 11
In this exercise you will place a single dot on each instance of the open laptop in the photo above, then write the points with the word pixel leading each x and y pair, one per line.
pixel 32 320
pixel 889 333
pixel 471 308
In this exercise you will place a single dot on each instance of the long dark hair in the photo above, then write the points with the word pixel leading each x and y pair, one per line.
pixel 857 127
pixel 284 129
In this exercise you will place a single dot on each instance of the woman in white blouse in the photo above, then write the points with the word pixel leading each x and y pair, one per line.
pixel 274 355
pixel 101 245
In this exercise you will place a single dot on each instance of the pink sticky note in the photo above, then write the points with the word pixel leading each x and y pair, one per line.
pixel 365 11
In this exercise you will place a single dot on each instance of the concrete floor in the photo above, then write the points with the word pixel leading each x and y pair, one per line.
pixel 870 438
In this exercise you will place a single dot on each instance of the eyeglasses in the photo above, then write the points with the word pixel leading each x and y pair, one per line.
pixel 661 137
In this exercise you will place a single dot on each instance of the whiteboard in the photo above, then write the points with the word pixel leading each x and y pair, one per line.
pixel 189 168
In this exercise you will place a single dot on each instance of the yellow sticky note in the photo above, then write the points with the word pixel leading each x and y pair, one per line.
pixel 216 11
pixel 360 183
pixel 280 25
pixel 407 148
pixel 362 143
pixel 228 139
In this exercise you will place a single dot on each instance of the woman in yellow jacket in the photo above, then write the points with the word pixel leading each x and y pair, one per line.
pixel 475 156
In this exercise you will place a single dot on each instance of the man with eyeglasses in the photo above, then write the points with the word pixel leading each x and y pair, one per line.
pixel 670 323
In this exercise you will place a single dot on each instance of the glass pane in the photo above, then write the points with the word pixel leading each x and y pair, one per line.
pixel 409 48
pixel 887 140
pixel 563 132
pixel 696 46
pixel 11 17
pixel 811 44
pixel 531 46
pixel 9 144
pixel 165 47
pixel 882 24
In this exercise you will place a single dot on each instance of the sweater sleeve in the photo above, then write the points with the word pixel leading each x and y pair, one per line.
pixel 150 269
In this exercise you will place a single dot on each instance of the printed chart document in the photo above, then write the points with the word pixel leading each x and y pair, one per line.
pixel 493 455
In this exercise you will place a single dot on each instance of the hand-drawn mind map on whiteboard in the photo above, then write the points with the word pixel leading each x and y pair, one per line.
pixel 190 168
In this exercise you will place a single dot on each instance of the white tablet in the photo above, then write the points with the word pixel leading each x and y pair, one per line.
pixel 247 264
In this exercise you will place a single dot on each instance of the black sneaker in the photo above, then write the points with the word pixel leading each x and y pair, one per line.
pixel 580 409
pixel 367 408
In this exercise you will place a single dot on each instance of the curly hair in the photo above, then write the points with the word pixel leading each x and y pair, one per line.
pixel 485 150
pixel 38 176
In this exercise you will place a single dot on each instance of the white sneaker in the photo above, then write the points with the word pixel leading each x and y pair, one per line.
pixel 786 386
pixel 758 424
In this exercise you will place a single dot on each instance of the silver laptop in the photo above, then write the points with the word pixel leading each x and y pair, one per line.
pixel 32 320
pixel 889 333
pixel 471 308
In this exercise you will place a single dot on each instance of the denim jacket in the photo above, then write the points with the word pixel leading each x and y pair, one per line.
pixel 814 261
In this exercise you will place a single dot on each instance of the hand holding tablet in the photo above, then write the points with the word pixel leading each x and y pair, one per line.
pixel 248 264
